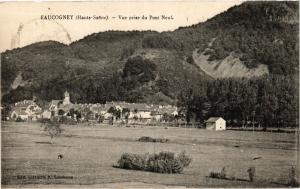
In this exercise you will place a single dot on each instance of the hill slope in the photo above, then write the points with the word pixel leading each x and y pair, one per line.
pixel 112 65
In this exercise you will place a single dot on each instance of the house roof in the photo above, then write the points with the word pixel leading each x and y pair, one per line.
pixel 99 108
pixel 68 107
pixel 131 106
pixel 166 109
pixel 154 112
pixel 155 109
pixel 38 112
pixel 213 119
pixel 56 102
pixel 24 103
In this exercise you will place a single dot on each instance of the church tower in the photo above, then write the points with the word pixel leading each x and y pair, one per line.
pixel 67 98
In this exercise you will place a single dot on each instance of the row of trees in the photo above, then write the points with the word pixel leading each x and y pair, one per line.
pixel 270 101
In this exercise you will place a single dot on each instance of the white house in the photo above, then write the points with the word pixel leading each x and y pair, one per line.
pixel 156 115
pixel 19 112
pixel 46 114
pixel 141 114
pixel 107 115
pixel 53 106
pixel 216 123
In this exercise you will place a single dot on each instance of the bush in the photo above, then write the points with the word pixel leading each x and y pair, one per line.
pixel 52 128
pixel 164 162
pixel 19 119
pixel 150 139
pixel 132 161
pixel 184 159
pixel 219 175
pixel 67 120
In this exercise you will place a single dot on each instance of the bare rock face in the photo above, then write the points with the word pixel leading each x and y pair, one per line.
pixel 231 66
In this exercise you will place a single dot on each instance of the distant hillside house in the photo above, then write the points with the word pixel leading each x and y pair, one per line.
pixel 216 123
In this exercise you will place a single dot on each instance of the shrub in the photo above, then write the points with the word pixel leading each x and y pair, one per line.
pixel 150 139
pixel 132 161
pixel 184 159
pixel 19 119
pixel 164 162
pixel 52 128
pixel 219 175
pixel 214 175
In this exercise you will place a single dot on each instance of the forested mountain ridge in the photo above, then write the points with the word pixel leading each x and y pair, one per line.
pixel 256 32
pixel 147 66
pixel 262 33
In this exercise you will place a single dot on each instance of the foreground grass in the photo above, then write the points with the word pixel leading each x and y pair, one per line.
pixel 90 152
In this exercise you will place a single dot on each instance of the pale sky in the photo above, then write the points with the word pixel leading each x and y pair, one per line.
pixel 21 22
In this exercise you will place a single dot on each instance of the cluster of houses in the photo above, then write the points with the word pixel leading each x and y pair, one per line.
pixel 28 110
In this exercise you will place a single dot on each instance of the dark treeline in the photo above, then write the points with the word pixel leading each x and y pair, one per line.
pixel 123 85
pixel 270 101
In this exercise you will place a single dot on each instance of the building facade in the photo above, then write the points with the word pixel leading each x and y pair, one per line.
pixel 216 123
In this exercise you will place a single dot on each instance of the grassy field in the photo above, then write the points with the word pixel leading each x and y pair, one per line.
pixel 28 159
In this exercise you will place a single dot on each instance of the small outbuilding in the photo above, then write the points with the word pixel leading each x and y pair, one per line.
pixel 216 123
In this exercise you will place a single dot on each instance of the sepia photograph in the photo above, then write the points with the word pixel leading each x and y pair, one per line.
pixel 149 94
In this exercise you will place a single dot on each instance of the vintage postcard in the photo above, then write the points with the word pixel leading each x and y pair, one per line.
pixel 149 94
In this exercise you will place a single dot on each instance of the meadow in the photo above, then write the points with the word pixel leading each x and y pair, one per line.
pixel 90 153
